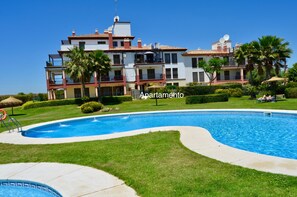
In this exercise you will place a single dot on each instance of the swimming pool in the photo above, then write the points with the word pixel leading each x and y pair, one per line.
pixel 261 132
pixel 20 188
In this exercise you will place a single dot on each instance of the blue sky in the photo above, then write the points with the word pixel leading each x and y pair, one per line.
pixel 32 29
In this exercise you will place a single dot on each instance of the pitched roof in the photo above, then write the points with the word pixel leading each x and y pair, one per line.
pixel 205 52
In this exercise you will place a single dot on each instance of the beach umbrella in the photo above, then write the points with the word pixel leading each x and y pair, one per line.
pixel 11 102
pixel 155 87
pixel 274 79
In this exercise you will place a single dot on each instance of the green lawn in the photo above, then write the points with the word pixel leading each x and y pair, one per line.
pixel 155 164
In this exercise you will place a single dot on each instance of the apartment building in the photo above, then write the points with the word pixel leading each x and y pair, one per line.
pixel 133 67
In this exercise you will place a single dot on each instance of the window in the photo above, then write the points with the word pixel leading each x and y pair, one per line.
pixel 105 76
pixel 115 44
pixel 151 74
pixel 116 59
pixel 194 62
pixel 195 76
pixel 81 45
pixel 168 84
pixel 237 75
pixel 101 42
pixel 176 84
pixel 199 60
pixel 174 58
pixel 140 74
pixel 201 76
pixel 175 73
pixel 167 58
pixel 77 93
pixel 168 73
pixel 122 43
pixel 227 75
pixel 139 58
pixel 87 92
pixel 117 75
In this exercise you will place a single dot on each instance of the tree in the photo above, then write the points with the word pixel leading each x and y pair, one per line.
pixel 246 55
pixel 273 52
pixel 214 65
pixel 99 63
pixel 292 73
pixel 78 67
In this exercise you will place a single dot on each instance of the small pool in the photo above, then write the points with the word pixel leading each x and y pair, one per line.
pixel 20 188
pixel 270 133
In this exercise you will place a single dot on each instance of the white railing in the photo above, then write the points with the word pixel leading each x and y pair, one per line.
pixel 90 47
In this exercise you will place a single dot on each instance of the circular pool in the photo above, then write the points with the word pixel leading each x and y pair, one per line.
pixel 270 133
pixel 20 188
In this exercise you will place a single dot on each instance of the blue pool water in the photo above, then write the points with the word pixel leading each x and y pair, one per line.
pixel 18 188
pixel 274 134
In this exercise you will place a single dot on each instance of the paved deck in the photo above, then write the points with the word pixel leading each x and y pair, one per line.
pixel 68 179
pixel 196 139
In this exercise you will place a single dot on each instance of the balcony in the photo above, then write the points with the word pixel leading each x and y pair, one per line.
pixel 157 76
pixel 87 47
pixel 118 78
pixel 148 58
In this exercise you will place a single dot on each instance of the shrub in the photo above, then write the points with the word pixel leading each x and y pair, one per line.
pixel 111 100
pixel 223 91
pixel 291 84
pixel 198 90
pixel 236 92
pixel 232 85
pixel 91 107
pixel 206 98
pixel 86 109
pixel 291 92
pixel 36 104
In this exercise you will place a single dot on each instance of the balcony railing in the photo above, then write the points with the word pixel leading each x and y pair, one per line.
pixel 112 79
pixel 91 47
pixel 157 76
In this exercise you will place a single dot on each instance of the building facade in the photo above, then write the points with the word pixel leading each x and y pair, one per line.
pixel 133 67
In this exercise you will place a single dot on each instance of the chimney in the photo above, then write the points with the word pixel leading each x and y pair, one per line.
pixel 73 33
pixel 126 43
pixel 139 43
pixel 96 31
pixel 106 31
pixel 110 39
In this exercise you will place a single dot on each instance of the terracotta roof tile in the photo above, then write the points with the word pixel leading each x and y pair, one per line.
pixel 205 52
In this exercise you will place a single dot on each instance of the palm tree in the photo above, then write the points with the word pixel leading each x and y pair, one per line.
pixel 78 67
pixel 100 63
pixel 247 54
pixel 273 53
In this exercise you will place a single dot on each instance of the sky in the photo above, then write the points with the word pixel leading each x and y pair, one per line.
pixel 32 29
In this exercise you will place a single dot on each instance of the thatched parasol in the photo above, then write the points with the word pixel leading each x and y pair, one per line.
pixel 274 79
pixel 11 102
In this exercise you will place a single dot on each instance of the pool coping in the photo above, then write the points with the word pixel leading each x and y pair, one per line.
pixel 68 179
pixel 196 139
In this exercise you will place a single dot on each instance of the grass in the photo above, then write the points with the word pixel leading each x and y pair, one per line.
pixel 155 164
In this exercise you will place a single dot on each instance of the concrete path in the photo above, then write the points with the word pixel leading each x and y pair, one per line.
pixel 68 179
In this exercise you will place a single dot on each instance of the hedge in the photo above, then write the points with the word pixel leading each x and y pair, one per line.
pixel 202 90
pixel 111 100
pixel 206 98
pixel 291 92
pixel 36 104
